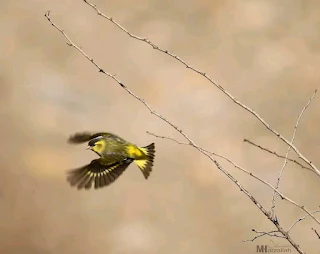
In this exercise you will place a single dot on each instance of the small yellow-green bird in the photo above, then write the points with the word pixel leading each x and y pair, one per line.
pixel 116 154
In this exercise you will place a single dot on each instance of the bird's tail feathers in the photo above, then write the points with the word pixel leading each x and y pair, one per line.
pixel 146 164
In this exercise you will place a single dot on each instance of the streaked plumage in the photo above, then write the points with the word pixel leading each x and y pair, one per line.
pixel 115 153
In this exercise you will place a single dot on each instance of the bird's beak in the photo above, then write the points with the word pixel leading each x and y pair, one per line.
pixel 89 147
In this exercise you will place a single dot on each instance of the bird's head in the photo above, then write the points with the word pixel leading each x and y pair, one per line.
pixel 97 145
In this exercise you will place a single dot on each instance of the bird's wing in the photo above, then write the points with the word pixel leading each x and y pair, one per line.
pixel 114 138
pixel 82 137
pixel 97 173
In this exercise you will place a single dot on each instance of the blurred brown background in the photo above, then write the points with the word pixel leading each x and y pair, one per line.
pixel 265 52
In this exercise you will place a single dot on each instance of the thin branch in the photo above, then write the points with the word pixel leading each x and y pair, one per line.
pixel 209 153
pixel 230 96
pixel 316 232
pixel 273 202
pixel 264 211
pixel 301 219
pixel 276 154
pixel 261 234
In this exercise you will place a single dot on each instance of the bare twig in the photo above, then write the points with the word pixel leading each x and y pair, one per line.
pixel 207 152
pixel 210 156
pixel 301 219
pixel 274 196
pixel 316 232
pixel 264 211
pixel 230 96
pixel 276 154
pixel 261 234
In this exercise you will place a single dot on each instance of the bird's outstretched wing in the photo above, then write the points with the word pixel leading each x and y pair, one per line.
pixel 97 173
pixel 82 137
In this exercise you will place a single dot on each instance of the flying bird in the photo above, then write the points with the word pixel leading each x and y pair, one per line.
pixel 115 155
